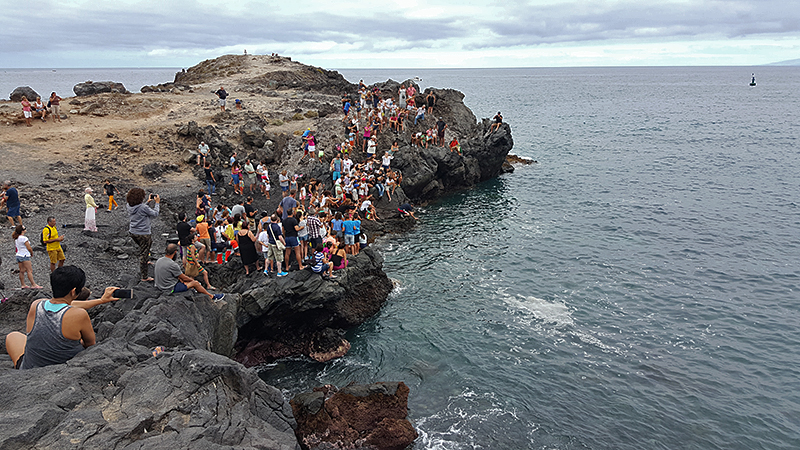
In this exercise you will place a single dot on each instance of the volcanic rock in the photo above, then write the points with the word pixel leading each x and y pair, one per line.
pixel 369 416
pixel 16 94
pixel 98 87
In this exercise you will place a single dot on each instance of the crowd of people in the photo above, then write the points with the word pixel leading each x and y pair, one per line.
pixel 313 228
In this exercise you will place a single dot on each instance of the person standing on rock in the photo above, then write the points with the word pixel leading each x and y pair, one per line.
pixel 110 191
pixel 430 99
pixel 141 214
pixel 23 255
pixel 440 127
pixel 89 219
pixel 290 228
pixel 58 328
pixel 250 174
pixel 55 109
pixel 211 181
pixel 287 203
pixel 11 200
pixel 52 241
pixel 222 96
pixel 401 96
pixel 26 111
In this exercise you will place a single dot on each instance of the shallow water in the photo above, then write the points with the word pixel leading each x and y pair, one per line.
pixel 635 289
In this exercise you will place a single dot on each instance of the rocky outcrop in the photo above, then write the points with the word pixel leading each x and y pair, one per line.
pixel 117 394
pixel 357 416
pixel 16 94
pixel 98 87
pixel 165 87
pixel 304 313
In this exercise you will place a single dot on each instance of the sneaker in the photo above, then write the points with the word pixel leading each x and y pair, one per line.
pixel 283 274
pixel 218 297
pixel 266 272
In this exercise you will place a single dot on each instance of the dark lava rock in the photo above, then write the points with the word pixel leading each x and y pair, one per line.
pixel 292 315
pixel 16 94
pixel 98 87
pixel 116 394
pixel 356 416
pixel 253 133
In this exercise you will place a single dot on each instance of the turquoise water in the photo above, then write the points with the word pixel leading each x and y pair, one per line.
pixel 637 288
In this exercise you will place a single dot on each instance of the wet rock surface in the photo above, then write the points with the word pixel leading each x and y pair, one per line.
pixel 369 416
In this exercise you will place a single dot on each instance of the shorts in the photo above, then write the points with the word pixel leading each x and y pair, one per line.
pixel 303 238
pixel 222 102
pixel 13 211
pixel 179 287
pixel 23 258
pixel 284 188
pixel 56 255
pixel 291 241
pixel 27 114
pixel 315 241
pixel 235 178
pixel 274 253
pixel 206 243
pixel 267 186
pixel 349 239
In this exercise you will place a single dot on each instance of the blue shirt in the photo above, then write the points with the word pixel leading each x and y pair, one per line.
pixel 349 227
pixel 337 224
pixel 13 197
pixel 357 226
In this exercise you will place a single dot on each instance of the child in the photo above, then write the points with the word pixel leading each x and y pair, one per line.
pixel 193 267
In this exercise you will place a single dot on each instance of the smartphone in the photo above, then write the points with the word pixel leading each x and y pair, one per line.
pixel 122 293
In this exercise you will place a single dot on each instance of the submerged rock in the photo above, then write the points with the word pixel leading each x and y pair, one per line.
pixel 369 416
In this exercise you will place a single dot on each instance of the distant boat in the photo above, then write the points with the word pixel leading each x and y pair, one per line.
pixel 753 81
pixel 417 79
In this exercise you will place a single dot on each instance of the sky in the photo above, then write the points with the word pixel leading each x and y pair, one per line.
pixel 400 33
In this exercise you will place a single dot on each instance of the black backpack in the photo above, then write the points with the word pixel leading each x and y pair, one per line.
pixel 41 236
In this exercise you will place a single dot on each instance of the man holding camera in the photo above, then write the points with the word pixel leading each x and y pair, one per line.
pixel 170 278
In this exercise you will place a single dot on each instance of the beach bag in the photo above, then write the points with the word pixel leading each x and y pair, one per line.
pixel 192 270
pixel 278 243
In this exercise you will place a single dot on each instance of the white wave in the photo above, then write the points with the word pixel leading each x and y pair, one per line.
pixel 556 313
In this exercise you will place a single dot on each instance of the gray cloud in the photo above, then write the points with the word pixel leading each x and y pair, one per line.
pixel 580 22
pixel 186 25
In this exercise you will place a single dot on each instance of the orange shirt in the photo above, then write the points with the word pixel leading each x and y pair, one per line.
pixel 202 230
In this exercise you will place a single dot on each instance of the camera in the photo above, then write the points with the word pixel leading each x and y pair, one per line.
pixel 122 293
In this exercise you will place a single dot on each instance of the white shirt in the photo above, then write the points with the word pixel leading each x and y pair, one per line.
pixel 22 250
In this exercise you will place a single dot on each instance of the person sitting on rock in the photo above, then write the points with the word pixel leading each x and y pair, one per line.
pixel 203 150
pixel 319 263
pixel 193 266
pixel 498 120
pixel 58 328
pixel 170 278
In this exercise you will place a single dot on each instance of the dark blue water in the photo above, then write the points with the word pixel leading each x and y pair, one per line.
pixel 638 288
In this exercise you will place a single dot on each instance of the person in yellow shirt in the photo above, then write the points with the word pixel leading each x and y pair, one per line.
pixel 51 238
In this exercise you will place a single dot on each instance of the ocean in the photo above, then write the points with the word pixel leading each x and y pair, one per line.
pixel 637 288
